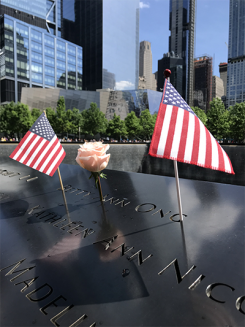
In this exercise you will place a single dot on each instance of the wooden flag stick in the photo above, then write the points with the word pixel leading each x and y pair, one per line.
pixel 61 185
pixel 167 73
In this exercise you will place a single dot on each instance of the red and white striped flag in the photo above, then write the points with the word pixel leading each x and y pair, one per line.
pixel 180 135
pixel 40 148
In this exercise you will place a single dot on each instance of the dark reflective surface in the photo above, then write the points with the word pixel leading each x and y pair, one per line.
pixel 104 284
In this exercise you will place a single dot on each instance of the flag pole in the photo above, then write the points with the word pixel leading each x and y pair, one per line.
pixel 61 185
pixel 167 74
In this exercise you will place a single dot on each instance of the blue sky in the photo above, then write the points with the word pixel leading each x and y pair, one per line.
pixel 212 28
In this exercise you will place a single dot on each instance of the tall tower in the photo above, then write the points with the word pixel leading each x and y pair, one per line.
pixel 236 54
pixel 181 41
pixel 108 31
pixel 145 63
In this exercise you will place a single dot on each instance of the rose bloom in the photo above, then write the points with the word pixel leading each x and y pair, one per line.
pixel 92 156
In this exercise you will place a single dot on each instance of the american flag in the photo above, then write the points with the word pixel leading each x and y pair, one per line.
pixel 180 135
pixel 40 148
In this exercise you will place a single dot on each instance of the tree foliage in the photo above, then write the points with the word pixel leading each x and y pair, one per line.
pixel 17 118
pixel 132 125
pixel 237 122
pixel 147 124
pixel 116 127
pixel 200 114
pixel 218 119
pixel 93 120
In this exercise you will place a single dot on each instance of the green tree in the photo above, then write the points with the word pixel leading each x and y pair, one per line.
pixel 218 119
pixel 15 118
pixel 51 116
pixel 116 127
pixel 3 122
pixel 132 125
pixel 93 120
pixel 147 124
pixel 35 113
pixel 237 121
pixel 61 117
pixel 200 114
pixel 76 120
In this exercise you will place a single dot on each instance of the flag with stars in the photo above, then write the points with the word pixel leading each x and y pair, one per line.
pixel 40 148
pixel 180 135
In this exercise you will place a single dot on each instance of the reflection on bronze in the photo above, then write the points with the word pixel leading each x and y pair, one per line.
pixel 76 228
pixel 64 187
pixel 212 286
pixel 161 213
pixel 4 196
pixel 81 192
pixel 140 258
pixel 196 282
pixel 87 194
pixel 86 232
pixel 112 200
pixel 14 174
pixel 30 282
pixel 176 214
pixel 53 219
pixel 55 225
pixel 24 176
pixel 144 204
pixel 15 267
pixel 6 173
pixel 239 304
pixel 77 189
pixel 123 248
pixel 123 204
pixel 48 214
pixel 50 303
pixel 68 189
pixel 37 214
pixel 125 272
pixel 177 270
pixel 32 209
pixel 69 224
pixel 108 241
pixel 50 291
pixel 31 179
pixel 24 271
pixel 60 314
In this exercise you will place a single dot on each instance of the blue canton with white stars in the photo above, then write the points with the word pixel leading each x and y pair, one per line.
pixel 42 128
pixel 173 98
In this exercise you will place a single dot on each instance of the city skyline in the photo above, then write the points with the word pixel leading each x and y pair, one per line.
pixel 212 29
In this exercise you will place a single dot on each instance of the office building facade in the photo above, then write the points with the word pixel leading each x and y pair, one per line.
pixel 31 57
pixel 145 63
pixel 108 32
pixel 217 87
pixel 175 64
pixel 181 41
pixel 110 102
pixel 223 74
pixel 32 52
pixel 203 70
pixel 236 54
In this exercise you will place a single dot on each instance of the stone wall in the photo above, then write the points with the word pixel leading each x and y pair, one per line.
pixel 135 158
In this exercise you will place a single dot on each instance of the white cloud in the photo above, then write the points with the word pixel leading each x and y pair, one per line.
pixel 144 5
pixel 124 85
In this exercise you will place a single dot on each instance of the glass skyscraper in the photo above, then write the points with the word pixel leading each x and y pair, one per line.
pixel 31 57
pixel 108 31
pixel 32 53
pixel 236 54
pixel 181 42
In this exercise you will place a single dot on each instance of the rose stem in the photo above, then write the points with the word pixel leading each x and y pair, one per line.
pixel 100 190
